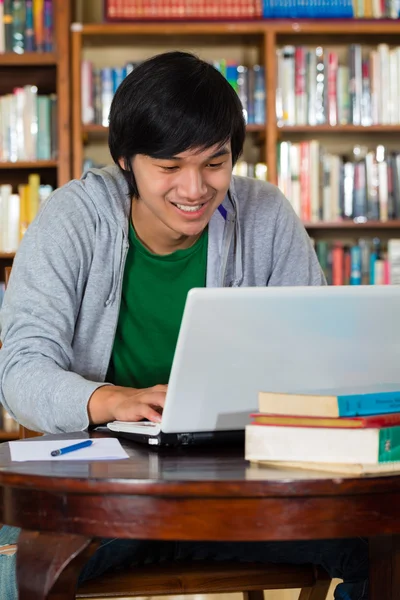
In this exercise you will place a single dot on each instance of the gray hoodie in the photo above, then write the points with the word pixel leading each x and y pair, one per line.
pixel 60 311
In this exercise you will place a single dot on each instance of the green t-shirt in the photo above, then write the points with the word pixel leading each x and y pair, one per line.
pixel 154 291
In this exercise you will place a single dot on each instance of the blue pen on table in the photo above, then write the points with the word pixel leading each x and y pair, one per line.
pixel 72 448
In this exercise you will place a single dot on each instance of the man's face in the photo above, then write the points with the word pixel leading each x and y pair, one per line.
pixel 182 192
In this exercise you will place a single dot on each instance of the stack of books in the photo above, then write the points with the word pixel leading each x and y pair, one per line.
pixel 356 434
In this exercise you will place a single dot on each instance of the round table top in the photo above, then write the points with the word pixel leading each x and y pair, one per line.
pixel 189 471
pixel 191 494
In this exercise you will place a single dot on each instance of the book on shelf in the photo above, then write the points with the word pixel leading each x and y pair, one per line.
pixel 17 210
pixel 366 261
pixel 312 9
pixel 322 186
pixel 185 10
pixel 249 9
pixel 246 169
pixel 100 84
pixel 28 125
pixel 26 26
pixel 316 87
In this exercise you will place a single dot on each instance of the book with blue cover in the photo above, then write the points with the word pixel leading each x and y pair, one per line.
pixel 307 9
pixel 330 405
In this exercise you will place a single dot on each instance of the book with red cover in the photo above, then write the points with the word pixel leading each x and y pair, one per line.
pixel 372 421
pixel 187 10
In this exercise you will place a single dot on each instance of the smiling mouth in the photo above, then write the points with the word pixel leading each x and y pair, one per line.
pixel 189 208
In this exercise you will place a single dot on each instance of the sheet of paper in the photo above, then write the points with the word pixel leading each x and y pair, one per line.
pixel 101 449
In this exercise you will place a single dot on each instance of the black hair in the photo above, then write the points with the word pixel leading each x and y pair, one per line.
pixel 169 104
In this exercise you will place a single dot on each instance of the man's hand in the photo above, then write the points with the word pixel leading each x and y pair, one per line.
pixel 117 403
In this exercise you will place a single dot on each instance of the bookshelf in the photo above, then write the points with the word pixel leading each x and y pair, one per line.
pixel 50 73
pixel 113 44
pixel 143 39
pixel 266 37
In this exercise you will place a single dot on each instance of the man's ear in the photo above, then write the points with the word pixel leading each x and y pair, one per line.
pixel 121 163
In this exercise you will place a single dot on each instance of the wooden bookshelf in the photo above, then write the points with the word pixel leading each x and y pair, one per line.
pixel 139 33
pixel 35 59
pixel 96 129
pixel 332 129
pixel 346 225
pixel 50 72
pixel 31 165
pixel 268 36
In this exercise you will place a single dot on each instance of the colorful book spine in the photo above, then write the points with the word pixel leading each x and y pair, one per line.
pixel 367 422
pixel 8 25
pixel 38 21
pixel 18 41
pixel 29 30
pixel 48 32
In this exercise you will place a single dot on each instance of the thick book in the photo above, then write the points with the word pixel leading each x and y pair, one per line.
pixel 322 444
pixel 329 405
pixel 372 421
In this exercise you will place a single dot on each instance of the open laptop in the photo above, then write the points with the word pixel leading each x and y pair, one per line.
pixel 235 342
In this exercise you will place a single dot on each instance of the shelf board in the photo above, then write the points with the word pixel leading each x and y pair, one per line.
pixel 35 164
pixel 288 129
pixel 352 27
pixel 7 255
pixel 95 129
pixel 171 28
pixel 34 59
pixel 255 128
pixel 8 435
pixel 395 224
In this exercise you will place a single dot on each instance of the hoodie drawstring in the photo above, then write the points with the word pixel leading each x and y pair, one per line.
pixel 117 270
pixel 238 252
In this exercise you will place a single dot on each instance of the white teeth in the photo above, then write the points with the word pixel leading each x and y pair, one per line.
pixel 189 208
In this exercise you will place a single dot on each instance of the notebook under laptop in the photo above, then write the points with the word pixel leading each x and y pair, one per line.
pixel 235 342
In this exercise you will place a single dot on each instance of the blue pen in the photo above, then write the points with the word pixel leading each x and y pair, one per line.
pixel 72 448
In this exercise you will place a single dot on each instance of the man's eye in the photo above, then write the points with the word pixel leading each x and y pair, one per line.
pixel 169 169
pixel 215 165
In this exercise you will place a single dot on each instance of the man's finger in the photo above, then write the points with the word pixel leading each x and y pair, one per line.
pixel 156 398
pixel 150 414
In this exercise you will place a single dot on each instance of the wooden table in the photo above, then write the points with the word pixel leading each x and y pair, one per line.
pixel 190 494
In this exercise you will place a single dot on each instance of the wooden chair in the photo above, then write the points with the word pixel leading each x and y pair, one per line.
pixel 213 578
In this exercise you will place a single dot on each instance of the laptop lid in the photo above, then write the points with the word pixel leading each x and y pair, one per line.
pixel 235 342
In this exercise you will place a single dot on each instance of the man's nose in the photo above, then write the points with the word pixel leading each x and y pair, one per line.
pixel 192 185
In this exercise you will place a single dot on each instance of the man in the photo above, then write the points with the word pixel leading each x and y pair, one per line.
pixel 99 283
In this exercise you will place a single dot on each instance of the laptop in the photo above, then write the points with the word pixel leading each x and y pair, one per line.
pixel 235 342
